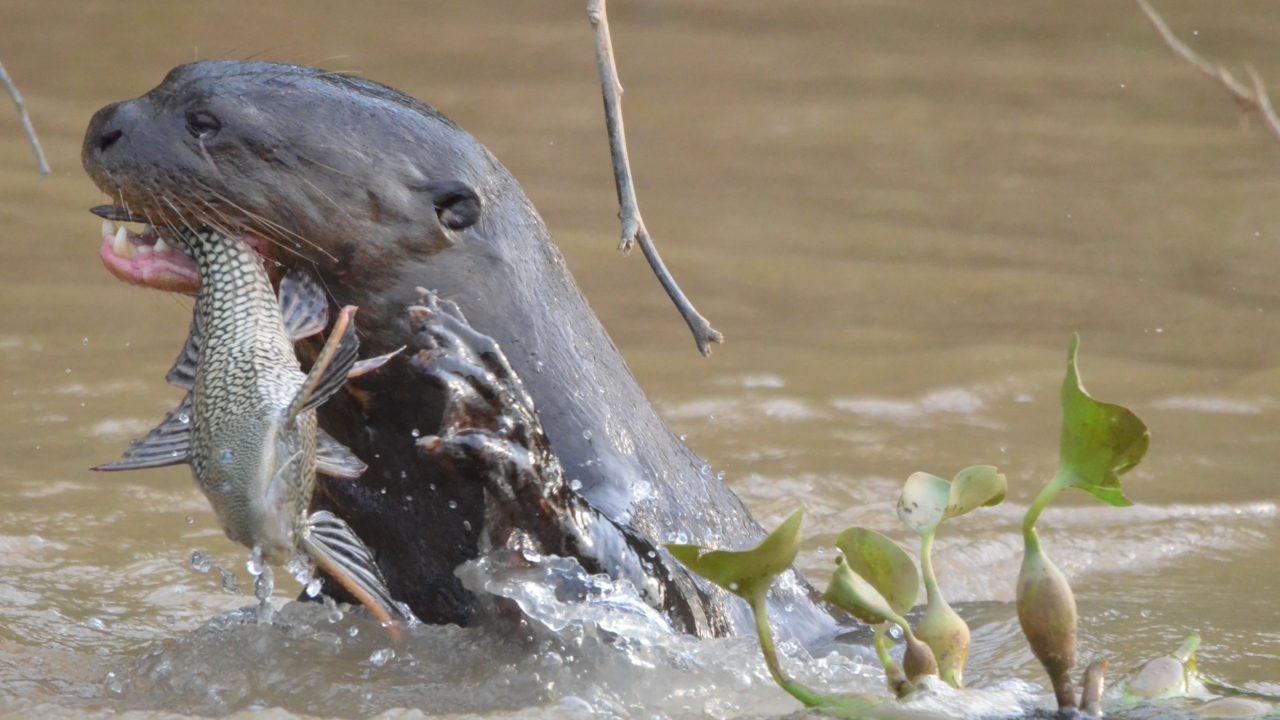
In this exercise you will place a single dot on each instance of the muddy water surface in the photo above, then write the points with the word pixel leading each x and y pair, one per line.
pixel 896 212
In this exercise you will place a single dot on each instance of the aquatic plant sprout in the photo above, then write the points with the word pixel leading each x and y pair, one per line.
pixel 927 501
pixel 749 574
pixel 1099 443
pixel 876 582
pixel 1165 677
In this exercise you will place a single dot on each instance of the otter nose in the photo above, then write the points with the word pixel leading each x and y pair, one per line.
pixel 105 130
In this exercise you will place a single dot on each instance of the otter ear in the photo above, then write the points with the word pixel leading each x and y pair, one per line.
pixel 457 205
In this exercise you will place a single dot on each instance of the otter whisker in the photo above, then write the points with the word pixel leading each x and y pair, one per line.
pixel 268 224
pixel 276 241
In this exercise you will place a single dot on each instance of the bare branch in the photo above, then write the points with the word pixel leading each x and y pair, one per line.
pixel 633 229
pixel 26 119
pixel 1250 99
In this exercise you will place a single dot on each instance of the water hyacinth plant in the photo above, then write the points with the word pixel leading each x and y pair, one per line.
pixel 749 574
pixel 876 581
pixel 926 501
pixel 1099 443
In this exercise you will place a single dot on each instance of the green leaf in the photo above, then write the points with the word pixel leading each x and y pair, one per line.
pixel 746 573
pixel 927 500
pixel 850 592
pixel 883 564
pixel 923 502
pixel 975 487
pixel 1100 441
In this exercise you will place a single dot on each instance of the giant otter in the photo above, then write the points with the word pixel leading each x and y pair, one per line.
pixel 380 194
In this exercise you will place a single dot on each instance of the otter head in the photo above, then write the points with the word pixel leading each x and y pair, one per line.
pixel 306 165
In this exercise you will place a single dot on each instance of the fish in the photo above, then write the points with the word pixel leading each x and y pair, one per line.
pixel 247 425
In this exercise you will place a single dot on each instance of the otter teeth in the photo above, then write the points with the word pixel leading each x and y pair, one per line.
pixel 128 245
pixel 120 244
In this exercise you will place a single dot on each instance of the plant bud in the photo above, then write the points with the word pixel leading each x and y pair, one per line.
pixel 918 659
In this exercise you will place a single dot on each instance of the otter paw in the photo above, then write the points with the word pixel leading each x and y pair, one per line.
pixel 481 391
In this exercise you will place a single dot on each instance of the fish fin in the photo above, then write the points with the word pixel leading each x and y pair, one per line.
pixel 331 367
pixel 183 372
pixel 280 480
pixel 338 551
pixel 368 365
pixel 303 305
pixel 335 459
pixel 168 444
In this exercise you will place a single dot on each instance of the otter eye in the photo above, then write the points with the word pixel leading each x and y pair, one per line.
pixel 202 124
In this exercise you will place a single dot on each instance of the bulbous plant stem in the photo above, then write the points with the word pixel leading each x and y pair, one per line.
pixel 941 628
pixel 841 706
pixel 1046 607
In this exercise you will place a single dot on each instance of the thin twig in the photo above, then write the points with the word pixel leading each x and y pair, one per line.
pixel 1253 99
pixel 26 119
pixel 633 229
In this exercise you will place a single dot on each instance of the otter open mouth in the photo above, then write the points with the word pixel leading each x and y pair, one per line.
pixel 144 258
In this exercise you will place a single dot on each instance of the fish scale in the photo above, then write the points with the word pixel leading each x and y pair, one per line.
pixel 248 424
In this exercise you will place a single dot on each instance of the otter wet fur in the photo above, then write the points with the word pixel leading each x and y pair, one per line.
pixel 248 426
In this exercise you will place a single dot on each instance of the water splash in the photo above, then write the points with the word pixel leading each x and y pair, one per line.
pixel 264 584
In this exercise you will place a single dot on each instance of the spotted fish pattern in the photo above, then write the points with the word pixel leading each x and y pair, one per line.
pixel 248 423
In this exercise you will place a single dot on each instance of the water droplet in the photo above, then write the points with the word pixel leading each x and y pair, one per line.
pixel 226 456
pixel 184 418
pixel 313 587
pixel 85 342
pixel 353 631
pixel 201 562
pixel 254 565
pixel 381 657
pixel 453 504
pixel 230 583
pixel 466 525
pixel 575 485
pixel 683 437
pixel 431 487
pixel 415 432
pixel 408 498
pixel 190 520
pixel 335 615
pixel 586 435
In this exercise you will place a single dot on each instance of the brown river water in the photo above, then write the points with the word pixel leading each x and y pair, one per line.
pixel 896 212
